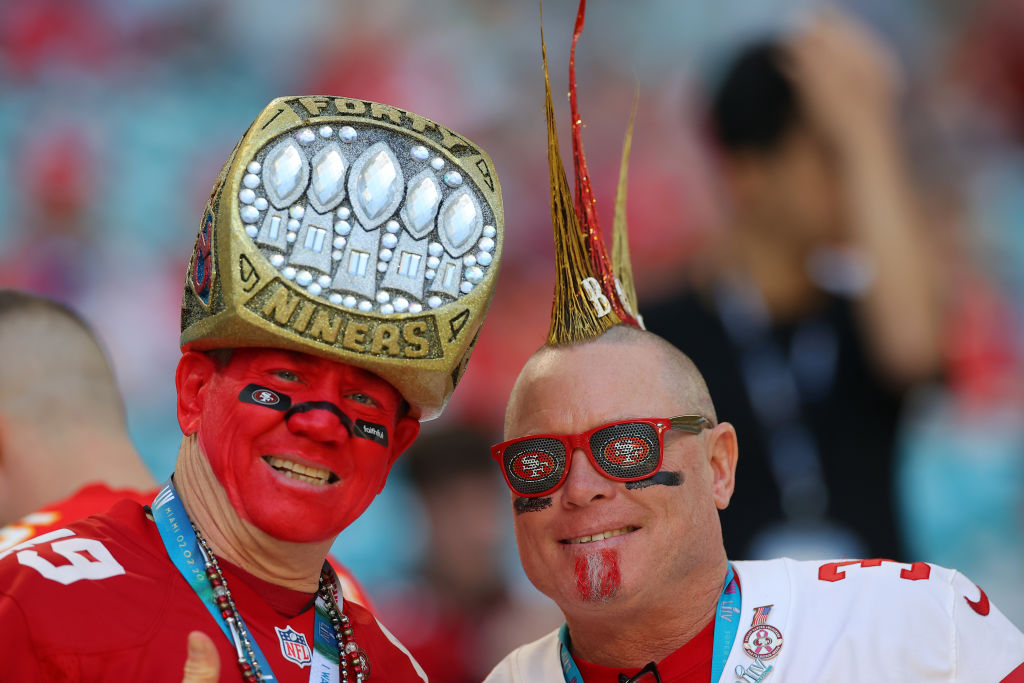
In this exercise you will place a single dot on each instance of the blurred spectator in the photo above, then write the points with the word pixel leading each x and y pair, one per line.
pixel 458 616
pixel 62 427
pixel 823 309
pixel 964 440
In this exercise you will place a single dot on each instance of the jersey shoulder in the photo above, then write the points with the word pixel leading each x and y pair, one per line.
pixel 919 616
pixel 388 657
pixel 99 583
pixel 901 581
pixel 89 500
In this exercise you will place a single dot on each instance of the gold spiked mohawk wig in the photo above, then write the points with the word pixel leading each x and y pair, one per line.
pixel 591 294
pixel 354 231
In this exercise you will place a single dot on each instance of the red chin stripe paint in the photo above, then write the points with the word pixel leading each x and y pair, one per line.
pixel 597 575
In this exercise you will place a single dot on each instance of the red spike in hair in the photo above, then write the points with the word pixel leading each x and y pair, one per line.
pixel 586 209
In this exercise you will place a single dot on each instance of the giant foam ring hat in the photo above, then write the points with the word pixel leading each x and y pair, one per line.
pixel 354 231
pixel 592 292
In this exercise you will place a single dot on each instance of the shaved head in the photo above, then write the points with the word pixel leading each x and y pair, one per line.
pixel 54 372
pixel 677 374
pixel 62 419
pixel 664 537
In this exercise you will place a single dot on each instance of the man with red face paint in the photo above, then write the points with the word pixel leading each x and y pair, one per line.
pixel 329 305
pixel 619 466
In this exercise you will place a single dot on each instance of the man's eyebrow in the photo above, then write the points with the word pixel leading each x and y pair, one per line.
pixel 371 380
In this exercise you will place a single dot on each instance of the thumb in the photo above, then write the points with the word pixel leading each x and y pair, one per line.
pixel 203 663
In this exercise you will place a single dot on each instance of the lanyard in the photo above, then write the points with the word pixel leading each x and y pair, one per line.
pixel 180 541
pixel 726 624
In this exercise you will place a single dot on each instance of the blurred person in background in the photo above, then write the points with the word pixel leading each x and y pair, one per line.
pixel 65 451
pixel 460 616
pixel 824 308
pixel 963 439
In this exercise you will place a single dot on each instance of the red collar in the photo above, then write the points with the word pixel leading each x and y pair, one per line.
pixel 691 663
pixel 285 601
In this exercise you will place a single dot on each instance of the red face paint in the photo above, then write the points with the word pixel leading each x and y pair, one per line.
pixel 299 476
pixel 597 575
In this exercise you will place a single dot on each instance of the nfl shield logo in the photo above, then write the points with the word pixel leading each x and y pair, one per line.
pixel 294 646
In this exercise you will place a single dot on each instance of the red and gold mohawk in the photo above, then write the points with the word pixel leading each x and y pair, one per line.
pixel 589 298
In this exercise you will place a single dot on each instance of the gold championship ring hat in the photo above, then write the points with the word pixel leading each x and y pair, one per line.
pixel 354 231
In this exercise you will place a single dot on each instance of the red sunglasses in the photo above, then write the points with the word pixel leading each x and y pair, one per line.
pixel 627 450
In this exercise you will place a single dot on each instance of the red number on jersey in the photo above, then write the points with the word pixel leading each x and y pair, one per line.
pixel 831 572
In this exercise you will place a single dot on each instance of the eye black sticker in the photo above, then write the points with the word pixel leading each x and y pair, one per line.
pixel 663 478
pixel 371 431
pixel 522 504
pixel 268 398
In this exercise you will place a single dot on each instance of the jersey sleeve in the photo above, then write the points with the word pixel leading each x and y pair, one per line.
pixel 988 646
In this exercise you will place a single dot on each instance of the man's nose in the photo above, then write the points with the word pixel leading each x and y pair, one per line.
pixel 318 424
pixel 585 483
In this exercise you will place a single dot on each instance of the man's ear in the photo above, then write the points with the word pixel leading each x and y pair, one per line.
pixel 195 370
pixel 723 452
pixel 405 432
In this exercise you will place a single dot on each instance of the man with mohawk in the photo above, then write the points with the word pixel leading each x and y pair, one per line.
pixel 342 271
pixel 618 467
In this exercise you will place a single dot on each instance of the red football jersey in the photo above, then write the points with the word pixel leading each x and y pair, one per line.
pixel 100 600
pixel 88 500
pixel 95 498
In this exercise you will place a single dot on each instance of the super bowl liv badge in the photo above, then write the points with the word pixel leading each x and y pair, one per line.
pixel 763 641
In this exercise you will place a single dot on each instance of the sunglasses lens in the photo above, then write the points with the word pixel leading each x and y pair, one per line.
pixel 534 465
pixel 628 451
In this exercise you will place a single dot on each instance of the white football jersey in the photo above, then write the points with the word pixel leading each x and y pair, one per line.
pixel 846 620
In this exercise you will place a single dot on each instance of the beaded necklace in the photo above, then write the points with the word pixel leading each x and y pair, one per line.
pixel 348 649
pixel 349 652
pixel 334 648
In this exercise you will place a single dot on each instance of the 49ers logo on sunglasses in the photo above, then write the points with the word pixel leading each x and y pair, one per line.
pixel 532 466
pixel 626 450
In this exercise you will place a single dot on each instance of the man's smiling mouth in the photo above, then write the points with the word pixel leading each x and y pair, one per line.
pixel 600 536
pixel 299 472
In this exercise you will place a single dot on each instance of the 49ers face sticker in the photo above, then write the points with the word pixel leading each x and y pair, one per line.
pixel 262 396
pixel 268 398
